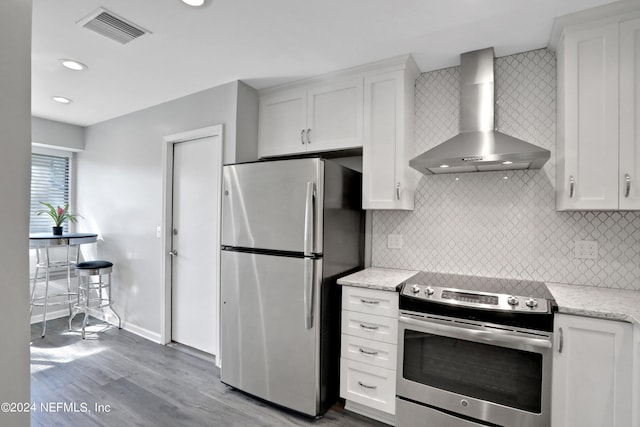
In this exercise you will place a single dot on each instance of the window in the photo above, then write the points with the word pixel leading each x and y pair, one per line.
pixel 49 183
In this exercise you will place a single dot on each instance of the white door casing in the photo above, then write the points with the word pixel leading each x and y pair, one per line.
pixel 192 178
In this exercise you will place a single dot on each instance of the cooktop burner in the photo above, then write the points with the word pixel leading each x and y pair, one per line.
pixel 523 303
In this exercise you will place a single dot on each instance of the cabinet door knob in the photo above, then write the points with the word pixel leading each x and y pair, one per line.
pixel 302 136
pixel 572 183
pixel 308 136
pixel 627 184
pixel 398 191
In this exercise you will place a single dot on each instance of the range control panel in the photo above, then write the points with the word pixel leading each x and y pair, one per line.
pixel 474 299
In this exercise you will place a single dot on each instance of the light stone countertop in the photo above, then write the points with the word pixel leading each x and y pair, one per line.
pixel 605 303
pixel 384 279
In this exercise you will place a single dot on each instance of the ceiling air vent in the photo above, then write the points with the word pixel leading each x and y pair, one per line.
pixel 112 26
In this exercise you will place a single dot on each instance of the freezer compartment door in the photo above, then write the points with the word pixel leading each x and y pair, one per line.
pixel 269 342
pixel 268 205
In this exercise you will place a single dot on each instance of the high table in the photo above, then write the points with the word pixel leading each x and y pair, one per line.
pixel 43 243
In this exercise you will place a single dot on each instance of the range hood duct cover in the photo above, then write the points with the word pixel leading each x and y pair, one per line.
pixel 479 147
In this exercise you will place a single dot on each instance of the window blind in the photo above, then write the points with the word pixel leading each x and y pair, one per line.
pixel 50 184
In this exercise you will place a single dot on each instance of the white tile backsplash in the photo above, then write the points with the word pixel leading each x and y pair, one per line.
pixel 486 225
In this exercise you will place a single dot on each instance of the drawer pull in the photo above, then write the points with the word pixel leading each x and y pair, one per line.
pixel 372 328
pixel 368 301
pixel 369 353
pixel 363 385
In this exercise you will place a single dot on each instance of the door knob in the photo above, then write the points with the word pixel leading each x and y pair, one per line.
pixel 173 253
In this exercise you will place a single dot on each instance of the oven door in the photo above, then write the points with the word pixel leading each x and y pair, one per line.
pixel 478 371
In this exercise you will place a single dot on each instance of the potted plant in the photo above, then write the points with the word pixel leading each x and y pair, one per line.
pixel 58 215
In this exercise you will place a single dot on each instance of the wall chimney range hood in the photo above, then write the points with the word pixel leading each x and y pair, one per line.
pixel 479 147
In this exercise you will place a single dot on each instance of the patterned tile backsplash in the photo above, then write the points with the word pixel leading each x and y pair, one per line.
pixel 503 224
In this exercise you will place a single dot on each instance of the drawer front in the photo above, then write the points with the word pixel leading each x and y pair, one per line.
pixel 364 350
pixel 370 326
pixel 382 303
pixel 368 385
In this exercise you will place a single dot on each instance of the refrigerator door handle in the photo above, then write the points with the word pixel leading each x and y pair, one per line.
pixel 308 219
pixel 308 292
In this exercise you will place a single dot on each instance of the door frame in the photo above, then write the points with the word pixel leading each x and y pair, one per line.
pixel 168 143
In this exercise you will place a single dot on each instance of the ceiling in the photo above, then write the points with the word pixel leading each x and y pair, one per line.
pixel 262 42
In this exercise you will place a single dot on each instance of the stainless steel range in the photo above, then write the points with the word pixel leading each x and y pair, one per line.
pixel 474 351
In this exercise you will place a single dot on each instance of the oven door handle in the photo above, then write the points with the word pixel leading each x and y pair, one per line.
pixel 495 338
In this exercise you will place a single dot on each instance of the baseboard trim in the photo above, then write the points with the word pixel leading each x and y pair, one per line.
pixel 37 318
pixel 377 415
pixel 127 326
pixel 142 332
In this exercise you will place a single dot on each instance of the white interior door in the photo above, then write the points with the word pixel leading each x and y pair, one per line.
pixel 197 166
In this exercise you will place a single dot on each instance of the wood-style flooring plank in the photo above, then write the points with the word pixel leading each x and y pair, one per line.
pixel 142 383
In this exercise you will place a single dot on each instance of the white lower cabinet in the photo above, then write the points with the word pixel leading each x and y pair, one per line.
pixel 370 326
pixel 636 376
pixel 368 385
pixel 376 353
pixel 592 366
pixel 369 352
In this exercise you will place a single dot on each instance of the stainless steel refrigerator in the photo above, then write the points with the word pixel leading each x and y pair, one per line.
pixel 290 229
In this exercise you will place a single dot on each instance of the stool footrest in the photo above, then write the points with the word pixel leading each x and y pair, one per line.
pixel 94 286
pixel 71 297
pixel 94 300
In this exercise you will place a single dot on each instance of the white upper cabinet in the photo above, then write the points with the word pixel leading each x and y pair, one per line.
pixel 598 140
pixel 630 114
pixel 320 118
pixel 334 116
pixel 283 123
pixel 387 180
pixel 587 166
pixel 369 108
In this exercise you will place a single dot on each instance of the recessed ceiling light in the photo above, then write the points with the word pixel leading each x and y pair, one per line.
pixel 62 99
pixel 444 166
pixel 73 65
pixel 507 162
pixel 195 3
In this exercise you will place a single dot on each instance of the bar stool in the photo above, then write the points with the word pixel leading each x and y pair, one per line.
pixel 49 263
pixel 86 271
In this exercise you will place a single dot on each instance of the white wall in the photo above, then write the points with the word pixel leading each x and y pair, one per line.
pixel 246 147
pixel 52 134
pixel 15 166
pixel 119 192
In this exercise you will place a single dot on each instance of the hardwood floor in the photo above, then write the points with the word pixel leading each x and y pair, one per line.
pixel 116 378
